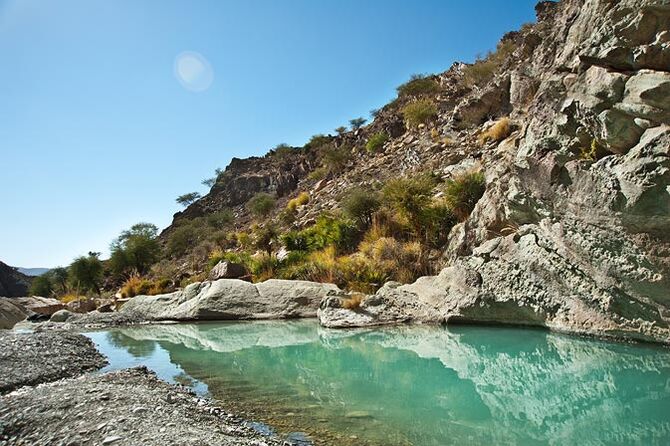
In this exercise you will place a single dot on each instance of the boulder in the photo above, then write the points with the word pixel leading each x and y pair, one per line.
pixel 81 306
pixel 228 270
pixel 230 299
pixel 61 316
pixel 11 312
pixel 41 305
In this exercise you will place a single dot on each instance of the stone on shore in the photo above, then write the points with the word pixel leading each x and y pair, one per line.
pixel 230 299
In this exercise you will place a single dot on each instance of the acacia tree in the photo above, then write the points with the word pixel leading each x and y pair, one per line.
pixel 188 199
pixel 341 130
pixel 357 123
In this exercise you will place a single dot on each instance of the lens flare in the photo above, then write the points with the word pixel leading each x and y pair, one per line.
pixel 193 71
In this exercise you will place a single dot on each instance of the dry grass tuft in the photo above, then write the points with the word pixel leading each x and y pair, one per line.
pixel 497 132
pixel 353 302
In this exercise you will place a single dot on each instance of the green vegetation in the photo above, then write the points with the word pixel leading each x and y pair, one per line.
pixel 318 174
pixel 301 200
pixel 188 199
pixel 136 249
pixel 463 192
pixel 261 204
pixel 86 272
pixel 376 142
pixel 419 112
pixel 41 286
pixel 357 123
pixel 360 205
pixel 317 141
pixel 341 130
pixel 418 85
pixel 336 158
pixel 592 152
pixel 483 70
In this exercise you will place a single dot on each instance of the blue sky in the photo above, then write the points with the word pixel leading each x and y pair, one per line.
pixel 97 132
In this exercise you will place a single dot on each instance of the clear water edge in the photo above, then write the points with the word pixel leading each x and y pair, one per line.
pixel 413 385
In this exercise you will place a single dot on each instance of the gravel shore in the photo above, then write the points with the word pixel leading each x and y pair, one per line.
pixel 128 407
pixel 27 359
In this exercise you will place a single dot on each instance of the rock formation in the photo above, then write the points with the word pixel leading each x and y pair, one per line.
pixel 573 243
pixel 234 299
pixel 12 282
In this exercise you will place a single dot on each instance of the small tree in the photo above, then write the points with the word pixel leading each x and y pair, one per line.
pixel 418 84
pixel 209 182
pixel 374 113
pixel 41 286
pixel 419 112
pixel 85 273
pixel 135 249
pixel 188 199
pixel 360 205
pixel 357 123
pixel 341 130
pixel 261 204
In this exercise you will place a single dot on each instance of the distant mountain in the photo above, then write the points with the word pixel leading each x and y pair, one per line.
pixel 32 272
pixel 12 282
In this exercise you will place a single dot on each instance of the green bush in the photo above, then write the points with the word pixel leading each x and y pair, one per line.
pixel 41 286
pixel 318 174
pixel 86 272
pixel 261 204
pixel 221 219
pixel 463 192
pixel 483 70
pixel 136 249
pixel 336 158
pixel 360 205
pixel 376 142
pixel 327 231
pixel 317 141
pixel 419 84
pixel 419 112
pixel 187 235
pixel 409 196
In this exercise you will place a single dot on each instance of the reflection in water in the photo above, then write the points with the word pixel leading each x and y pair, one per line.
pixel 420 385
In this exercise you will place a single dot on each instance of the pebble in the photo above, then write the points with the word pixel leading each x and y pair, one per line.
pixel 111 439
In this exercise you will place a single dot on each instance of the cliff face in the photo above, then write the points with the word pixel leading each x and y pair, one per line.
pixel 12 282
pixel 573 231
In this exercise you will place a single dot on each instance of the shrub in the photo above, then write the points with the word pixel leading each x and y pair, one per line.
pixel 419 84
pixel 318 173
pixel 482 71
pixel 341 130
pixel 462 193
pixel 317 141
pixel 497 132
pixel 360 205
pixel 593 152
pixel 184 236
pixel 409 196
pixel 436 222
pixel 261 204
pixel 85 273
pixel 135 249
pixel 376 142
pixel 357 123
pixel 263 237
pixel 336 158
pixel 71 297
pixel 419 112
pixel 327 231
pixel 221 219
pixel 136 285
pixel 41 286
pixel 399 261
pixel 296 241
pixel 263 266
pixel 187 199
pixel 218 255
pixel 301 200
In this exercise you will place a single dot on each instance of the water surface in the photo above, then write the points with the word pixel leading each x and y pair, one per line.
pixel 418 386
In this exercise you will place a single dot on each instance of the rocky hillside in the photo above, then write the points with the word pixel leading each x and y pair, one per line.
pixel 12 282
pixel 569 121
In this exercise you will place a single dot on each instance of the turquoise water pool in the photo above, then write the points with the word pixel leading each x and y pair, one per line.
pixel 414 385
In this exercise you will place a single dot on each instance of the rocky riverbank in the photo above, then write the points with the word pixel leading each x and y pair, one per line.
pixel 50 399
pixel 127 407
